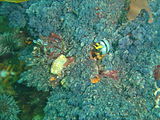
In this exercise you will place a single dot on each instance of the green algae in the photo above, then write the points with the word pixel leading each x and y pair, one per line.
pixel 4 25
pixel 30 101
pixel 12 68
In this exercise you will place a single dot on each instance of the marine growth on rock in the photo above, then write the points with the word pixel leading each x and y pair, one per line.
pixel 136 6
pixel 8 108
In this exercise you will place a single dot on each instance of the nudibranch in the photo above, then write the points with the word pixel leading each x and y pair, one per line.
pixel 100 49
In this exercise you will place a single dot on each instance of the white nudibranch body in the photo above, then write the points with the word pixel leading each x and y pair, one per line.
pixel 105 46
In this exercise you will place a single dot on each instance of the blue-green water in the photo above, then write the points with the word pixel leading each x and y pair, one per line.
pixel 80 60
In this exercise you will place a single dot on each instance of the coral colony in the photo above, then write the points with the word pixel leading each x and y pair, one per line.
pixel 99 60
pixel 8 108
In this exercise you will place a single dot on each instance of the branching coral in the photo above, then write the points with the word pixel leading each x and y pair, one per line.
pixel 37 76
pixel 15 13
pixel 44 17
pixel 17 19
pixel 8 108
pixel 96 101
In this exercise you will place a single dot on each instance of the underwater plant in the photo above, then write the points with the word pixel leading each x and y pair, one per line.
pixel 8 108
pixel 9 43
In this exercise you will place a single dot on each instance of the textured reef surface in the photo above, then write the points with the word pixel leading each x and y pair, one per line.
pixel 8 108
pixel 62 57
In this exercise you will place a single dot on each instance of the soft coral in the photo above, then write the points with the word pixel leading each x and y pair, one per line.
pixel 136 6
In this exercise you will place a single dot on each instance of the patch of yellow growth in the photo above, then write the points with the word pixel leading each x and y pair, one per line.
pixel 136 6
pixel 97 46
pixel 96 79
pixel 58 65
pixel 14 1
